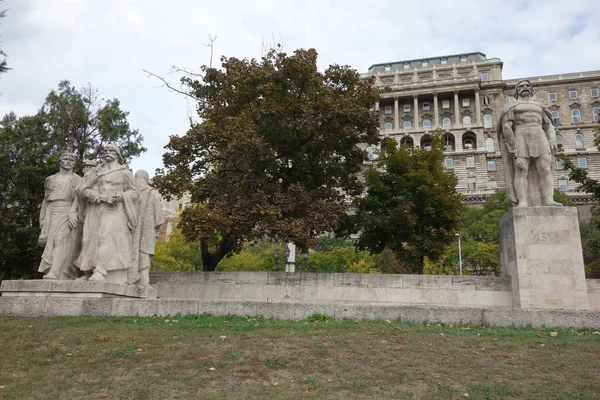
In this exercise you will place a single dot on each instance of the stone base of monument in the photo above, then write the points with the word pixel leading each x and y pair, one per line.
pixel 70 289
pixel 540 250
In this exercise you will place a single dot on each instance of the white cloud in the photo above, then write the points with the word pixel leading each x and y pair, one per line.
pixel 109 42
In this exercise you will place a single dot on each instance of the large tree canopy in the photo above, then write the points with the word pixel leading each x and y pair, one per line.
pixel 85 123
pixel 3 62
pixel 411 206
pixel 276 152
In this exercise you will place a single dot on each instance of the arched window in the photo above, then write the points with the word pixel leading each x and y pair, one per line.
pixel 370 153
pixel 559 139
pixel 446 121
pixel 426 123
pixel 407 125
pixel 407 141
pixel 487 121
pixel 575 116
pixel 388 126
pixel 486 100
pixel 579 141
pixel 555 117
pixel 596 114
pixel 466 120
pixel 489 145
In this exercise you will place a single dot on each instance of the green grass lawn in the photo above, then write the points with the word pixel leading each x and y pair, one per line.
pixel 205 357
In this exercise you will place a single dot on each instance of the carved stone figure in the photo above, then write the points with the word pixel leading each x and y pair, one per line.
pixel 110 197
pixel 87 165
pixel 150 220
pixel 527 143
pixel 58 220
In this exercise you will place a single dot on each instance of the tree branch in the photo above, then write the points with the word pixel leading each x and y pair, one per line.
pixel 168 85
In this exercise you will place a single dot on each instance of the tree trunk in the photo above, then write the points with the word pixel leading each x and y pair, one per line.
pixel 211 260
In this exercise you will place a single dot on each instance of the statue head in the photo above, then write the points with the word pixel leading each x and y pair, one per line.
pixel 141 177
pixel 112 150
pixel 523 88
pixel 66 160
pixel 88 164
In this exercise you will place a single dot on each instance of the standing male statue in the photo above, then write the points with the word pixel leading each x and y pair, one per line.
pixel 528 144
pixel 150 219
pixel 58 220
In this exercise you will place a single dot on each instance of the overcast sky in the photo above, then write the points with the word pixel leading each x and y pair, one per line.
pixel 109 42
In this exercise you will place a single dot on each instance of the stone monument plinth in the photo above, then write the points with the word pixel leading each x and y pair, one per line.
pixel 70 289
pixel 540 250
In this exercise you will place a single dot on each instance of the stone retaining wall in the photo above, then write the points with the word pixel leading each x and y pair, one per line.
pixel 442 290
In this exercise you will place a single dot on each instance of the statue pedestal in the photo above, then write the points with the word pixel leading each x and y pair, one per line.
pixel 540 250
pixel 55 288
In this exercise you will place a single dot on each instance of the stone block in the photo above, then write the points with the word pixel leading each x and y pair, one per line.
pixel 386 281
pixel 171 307
pixel 99 307
pixel 305 310
pixel 219 307
pixel 277 310
pixel 242 308
pixel 540 250
pixel 251 278
pixel 456 315
pixel 351 280
pixel 134 307
pixel 63 307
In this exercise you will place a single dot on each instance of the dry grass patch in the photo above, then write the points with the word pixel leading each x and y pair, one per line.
pixel 252 358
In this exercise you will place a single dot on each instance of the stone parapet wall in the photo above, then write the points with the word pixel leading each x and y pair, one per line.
pixel 284 287
pixel 122 307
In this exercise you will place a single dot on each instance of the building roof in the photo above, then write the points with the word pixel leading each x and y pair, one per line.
pixel 482 56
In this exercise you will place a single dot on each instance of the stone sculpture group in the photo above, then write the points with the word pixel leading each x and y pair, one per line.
pixel 102 226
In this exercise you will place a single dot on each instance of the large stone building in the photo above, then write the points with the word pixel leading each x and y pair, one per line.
pixel 464 95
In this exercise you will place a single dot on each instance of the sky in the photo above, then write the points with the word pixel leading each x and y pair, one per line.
pixel 108 44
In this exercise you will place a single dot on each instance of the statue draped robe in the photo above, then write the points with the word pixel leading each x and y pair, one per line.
pixel 107 240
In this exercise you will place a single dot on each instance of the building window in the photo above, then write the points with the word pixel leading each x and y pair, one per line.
pixel 552 96
pixel 485 77
pixel 559 139
pixel 387 110
pixel 579 145
pixel 446 121
pixel 594 93
pixel 493 185
pixel 406 108
pixel 596 114
pixel 575 116
pixel 466 102
pixel 489 145
pixel 563 185
pixel 388 126
pixel 491 165
pixel 555 117
pixel 582 162
pixel 466 120
pixel 470 162
pixel 560 164
pixel 463 58
pixel 486 100
pixel 407 125
pixel 426 106
pixel 388 68
pixel 406 65
pixel 449 163
pixel 424 63
pixel 471 184
pixel 445 103
pixel 487 121
pixel 426 123
pixel 370 153
pixel 572 94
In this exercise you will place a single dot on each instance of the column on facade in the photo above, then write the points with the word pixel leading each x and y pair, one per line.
pixel 477 107
pixel 436 113
pixel 396 114
pixel 456 109
pixel 416 105
pixel 377 105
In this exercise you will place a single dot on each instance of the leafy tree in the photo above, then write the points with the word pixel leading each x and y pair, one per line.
pixel 3 63
pixel 175 254
pixel 276 152
pixel 85 123
pixel 28 154
pixel 411 206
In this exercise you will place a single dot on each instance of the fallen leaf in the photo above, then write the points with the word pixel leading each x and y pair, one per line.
pixel 596 333
pixel 466 395
pixel 222 337
pixel 441 334
pixel 329 380
pixel 275 384
pixel 500 382
pixel 554 334
pixel 211 369
pixel 1 386
pixel 451 325
pixel 388 321
pixel 479 334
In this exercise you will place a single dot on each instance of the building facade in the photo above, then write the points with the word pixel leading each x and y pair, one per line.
pixel 464 95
